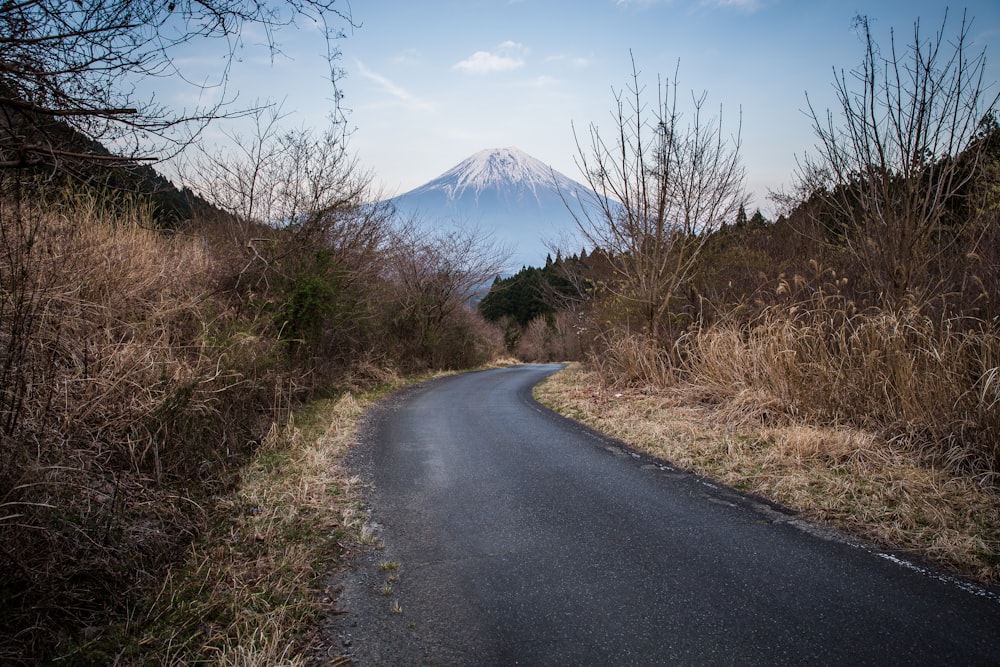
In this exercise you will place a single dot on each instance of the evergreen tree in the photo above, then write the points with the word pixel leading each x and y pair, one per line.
pixel 758 219
pixel 741 217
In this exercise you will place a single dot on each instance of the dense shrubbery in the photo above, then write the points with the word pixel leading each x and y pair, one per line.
pixel 870 302
pixel 781 323
pixel 140 368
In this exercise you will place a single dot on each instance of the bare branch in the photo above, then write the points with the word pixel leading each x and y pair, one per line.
pixel 663 185
pixel 76 61
pixel 902 148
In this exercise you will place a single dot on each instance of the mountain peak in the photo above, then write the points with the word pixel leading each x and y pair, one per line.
pixel 498 169
pixel 520 201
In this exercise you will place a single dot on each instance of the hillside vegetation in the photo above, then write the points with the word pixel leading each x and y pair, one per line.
pixel 140 368
pixel 868 308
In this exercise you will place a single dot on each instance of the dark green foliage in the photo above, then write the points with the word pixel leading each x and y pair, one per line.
pixel 758 219
pixel 310 298
pixel 519 296
pixel 528 294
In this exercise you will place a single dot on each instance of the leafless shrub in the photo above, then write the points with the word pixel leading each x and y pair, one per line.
pixel 901 156
pixel 664 182
pixel 429 281
pixel 555 338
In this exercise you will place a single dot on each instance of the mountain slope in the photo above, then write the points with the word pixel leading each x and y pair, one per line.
pixel 517 199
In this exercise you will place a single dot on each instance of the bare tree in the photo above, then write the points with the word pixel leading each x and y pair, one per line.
pixel 432 278
pixel 297 203
pixel 75 64
pixel 902 147
pixel 664 182
pixel 275 175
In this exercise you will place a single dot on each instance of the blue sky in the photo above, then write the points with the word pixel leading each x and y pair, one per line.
pixel 427 84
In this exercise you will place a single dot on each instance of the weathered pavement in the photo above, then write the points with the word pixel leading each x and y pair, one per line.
pixel 524 538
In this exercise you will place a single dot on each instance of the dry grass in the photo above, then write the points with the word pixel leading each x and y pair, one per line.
pixel 252 586
pixel 929 386
pixel 130 395
pixel 626 360
pixel 842 476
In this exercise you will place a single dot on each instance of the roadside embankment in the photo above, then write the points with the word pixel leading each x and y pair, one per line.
pixel 840 477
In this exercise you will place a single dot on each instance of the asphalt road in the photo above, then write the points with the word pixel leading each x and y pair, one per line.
pixel 526 539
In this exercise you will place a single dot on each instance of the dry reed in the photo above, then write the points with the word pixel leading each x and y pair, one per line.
pixel 929 387
pixel 121 405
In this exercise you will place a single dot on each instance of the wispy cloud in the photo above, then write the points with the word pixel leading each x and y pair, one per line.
pixel 400 94
pixel 642 3
pixel 748 6
pixel 408 57
pixel 568 59
pixel 505 57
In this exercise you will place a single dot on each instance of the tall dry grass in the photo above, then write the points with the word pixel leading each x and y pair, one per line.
pixel 804 352
pixel 928 385
pixel 141 370
pixel 630 359
pixel 123 406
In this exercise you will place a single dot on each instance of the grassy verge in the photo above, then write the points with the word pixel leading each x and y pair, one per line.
pixel 837 476
pixel 252 585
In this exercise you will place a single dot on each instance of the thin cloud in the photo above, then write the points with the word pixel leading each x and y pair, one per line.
pixel 567 59
pixel 748 6
pixel 642 3
pixel 399 93
pixel 506 57
pixel 408 57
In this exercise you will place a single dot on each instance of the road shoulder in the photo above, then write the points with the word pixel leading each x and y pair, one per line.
pixel 841 478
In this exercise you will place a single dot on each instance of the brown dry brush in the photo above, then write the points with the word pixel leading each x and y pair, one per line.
pixel 922 377
pixel 814 344
pixel 123 408
pixel 552 338
pixel 772 336
pixel 141 369
pixel 928 385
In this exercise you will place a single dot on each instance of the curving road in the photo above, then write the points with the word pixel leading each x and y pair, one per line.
pixel 526 539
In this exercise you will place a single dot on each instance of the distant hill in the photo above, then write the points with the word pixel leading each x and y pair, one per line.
pixel 65 156
pixel 507 193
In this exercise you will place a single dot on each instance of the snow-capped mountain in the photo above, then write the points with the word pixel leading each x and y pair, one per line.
pixel 508 194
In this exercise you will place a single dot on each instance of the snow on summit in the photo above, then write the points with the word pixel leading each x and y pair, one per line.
pixel 515 198
pixel 500 168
